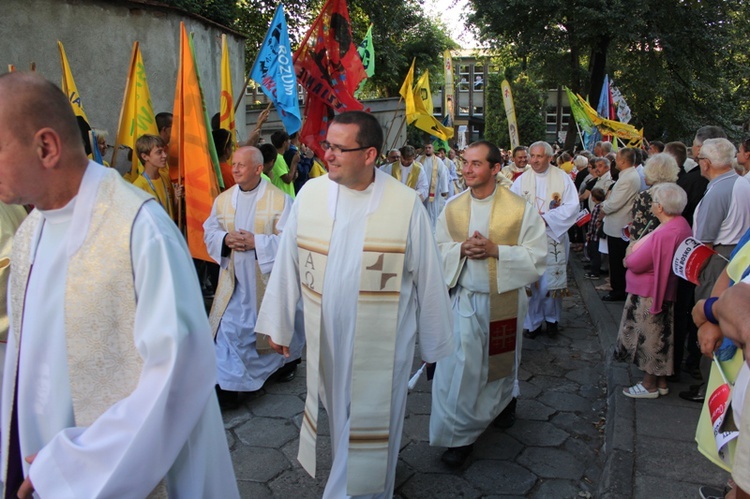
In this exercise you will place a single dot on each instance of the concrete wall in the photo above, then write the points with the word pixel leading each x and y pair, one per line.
pixel 98 37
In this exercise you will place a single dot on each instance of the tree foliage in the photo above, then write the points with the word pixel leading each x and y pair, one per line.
pixel 679 63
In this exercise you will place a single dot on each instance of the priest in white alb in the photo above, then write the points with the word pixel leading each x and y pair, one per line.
pixel 241 235
pixel 109 376
pixel 408 171
pixel 358 249
pixel 493 245
pixel 554 196
pixel 437 179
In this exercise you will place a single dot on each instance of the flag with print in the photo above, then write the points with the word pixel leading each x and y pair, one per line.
pixel 330 69
pixel 510 113
pixel 274 71
pixel 366 52
pixel 191 150
pixel 68 85
pixel 226 104
pixel 424 120
pixel 137 112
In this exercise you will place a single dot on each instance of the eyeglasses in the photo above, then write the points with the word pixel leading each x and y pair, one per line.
pixel 338 150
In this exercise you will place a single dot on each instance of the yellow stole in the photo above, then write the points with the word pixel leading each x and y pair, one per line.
pixel 382 267
pixel 505 227
pixel 268 210
pixel 411 180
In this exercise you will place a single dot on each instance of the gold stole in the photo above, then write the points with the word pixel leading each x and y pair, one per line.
pixel 555 188
pixel 505 227
pixel 268 210
pixel 411 180
pixel 381 273
pixel 433 178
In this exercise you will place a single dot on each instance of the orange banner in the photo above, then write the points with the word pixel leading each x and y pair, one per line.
pixel 190 149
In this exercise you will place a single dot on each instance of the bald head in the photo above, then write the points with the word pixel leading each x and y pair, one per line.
pixel 247 166
pixel 250 154
pixel 31 103
pixel 42 159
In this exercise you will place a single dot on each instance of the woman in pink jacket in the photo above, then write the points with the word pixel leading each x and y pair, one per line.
pixel 646 336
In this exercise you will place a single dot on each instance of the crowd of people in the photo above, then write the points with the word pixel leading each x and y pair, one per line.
pixel 113 368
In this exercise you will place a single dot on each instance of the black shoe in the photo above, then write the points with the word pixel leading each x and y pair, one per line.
pixel 614 297
pixel 693 396
pixel 552 329
pixel 228 400
pixel 507 418
pixel 589 275
pixel 287 372
pixel 454 457
pixel 533 334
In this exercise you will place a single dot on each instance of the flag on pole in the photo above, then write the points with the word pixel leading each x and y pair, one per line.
pixel 579 113
pixel 366 52
pixel 191 150
pixel 408 94
pixel 69 85
pixel 274 72
pixel 448 92
pixel 226 106
pixel 424 120
pixel 623 110
pixel 329 67
pixel 510 112
pixel 137 112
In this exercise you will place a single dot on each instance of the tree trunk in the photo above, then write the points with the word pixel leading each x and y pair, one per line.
pixel 597 69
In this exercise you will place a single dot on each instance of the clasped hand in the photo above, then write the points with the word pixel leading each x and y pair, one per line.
pixel 240 240
pixel 478 247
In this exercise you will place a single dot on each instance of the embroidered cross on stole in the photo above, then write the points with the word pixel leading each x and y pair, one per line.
pixel 381 273
pixel 505 227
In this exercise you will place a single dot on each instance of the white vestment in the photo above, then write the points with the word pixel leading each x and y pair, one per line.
pixel 464 403
pixel 239 367
pixel 558 220
pixel 423 185
pixel 170 425
pixel 426 311
pixel 441 186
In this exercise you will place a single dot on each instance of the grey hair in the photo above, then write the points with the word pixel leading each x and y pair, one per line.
pixel 602 159
pixel 547 148
pixel 606 146
pixel 660 168
pixel 709 132
pixel 581 162
pixel 720 152
pixel 670 196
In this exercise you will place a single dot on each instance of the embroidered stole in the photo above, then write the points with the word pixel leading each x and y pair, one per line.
pixel 433 177
pixel 381 273
pixel 557 258
pixel 268 209
pixel 100 304
pixel 505 227
pixel 411 180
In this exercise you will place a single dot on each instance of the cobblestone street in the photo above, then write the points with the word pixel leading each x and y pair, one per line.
pixel 553 450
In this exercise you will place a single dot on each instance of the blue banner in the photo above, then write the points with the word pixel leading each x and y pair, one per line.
pixel 274 72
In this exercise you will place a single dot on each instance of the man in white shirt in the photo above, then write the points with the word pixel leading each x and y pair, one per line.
pixel 408 171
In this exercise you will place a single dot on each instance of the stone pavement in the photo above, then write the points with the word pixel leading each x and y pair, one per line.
pixel 553 450
pixel 649 449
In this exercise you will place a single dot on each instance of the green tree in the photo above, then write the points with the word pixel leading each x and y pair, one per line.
pixel 679 63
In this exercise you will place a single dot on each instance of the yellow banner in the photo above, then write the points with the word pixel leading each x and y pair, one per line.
pixel 424 120
pixel 189 149
pixel 448 92
pixel 227 95
pixel 137 112
pixel 510 112
pixel 69 85
pixel 407 94
pixel 620 130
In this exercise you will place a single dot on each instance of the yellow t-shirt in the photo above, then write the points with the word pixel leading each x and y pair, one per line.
pixel 159 188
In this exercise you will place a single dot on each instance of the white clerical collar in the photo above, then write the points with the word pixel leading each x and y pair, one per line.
pixel 259 190
pixel 545 173
pixel 60 215
pixel 484 200
pixel 374 190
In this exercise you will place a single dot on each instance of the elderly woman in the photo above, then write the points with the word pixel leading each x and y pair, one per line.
pixel 659 168
pixel 646 336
